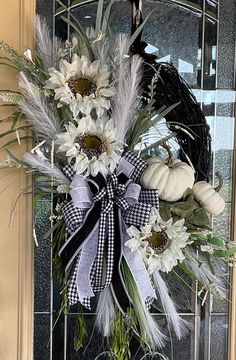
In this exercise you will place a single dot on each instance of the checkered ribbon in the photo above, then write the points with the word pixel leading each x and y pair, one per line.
pixel 110 195
pixel 101 209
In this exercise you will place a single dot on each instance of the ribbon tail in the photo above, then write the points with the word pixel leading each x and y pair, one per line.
pixel 86 261
pixel 80 192
pixel 73 245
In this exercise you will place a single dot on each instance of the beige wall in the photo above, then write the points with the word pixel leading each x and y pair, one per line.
pixel 16 274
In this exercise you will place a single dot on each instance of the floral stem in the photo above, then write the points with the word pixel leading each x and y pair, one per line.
pixel 170 155
pixel 221 181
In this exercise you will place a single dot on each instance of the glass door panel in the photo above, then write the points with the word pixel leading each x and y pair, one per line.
pixel 199 38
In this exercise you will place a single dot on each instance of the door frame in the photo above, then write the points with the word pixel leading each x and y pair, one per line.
pixel 16 245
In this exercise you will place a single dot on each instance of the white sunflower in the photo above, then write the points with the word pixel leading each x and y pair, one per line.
pixel 82 85
pixel 91 146
pixel 160 242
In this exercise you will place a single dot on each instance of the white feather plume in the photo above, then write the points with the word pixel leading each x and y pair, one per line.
pixel 121 47
pixel 179 325
pixel 99 44
pixel 45 167
pixel 150 329
pixel 105 312
pixel 44 41
pixel 101 50
pixel 37 110
pixel 213 283
pixel 128 76
pixel 46 45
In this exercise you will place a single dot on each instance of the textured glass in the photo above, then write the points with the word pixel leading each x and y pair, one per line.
pixel 57 5
pixel 212 7
pixel 210 54
pixel 181 349
pixel 223 147
pixel 204 331
pixel 196 3
pixel 122 23
pixel 225 109
pixel 180 290
pixel 221 122
pixel 223 153
pixel 209 111
pixel 42 256
pixel 226 53
pixel 41 337
pixel 224 127
pixel 173 26
pixel 221 305
pixel 221 223
pixel 58 337
pixel 87 14
pixel 45 9
pixel 219 330
pixel 94 343
pixel 61 28
pixel 173 33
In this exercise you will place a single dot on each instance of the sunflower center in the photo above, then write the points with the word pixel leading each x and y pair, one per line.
pixel 92 145
pixel 81 85
pixel 159 241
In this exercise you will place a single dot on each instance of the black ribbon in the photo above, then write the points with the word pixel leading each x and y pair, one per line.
pixel 107 199
pixel 71 247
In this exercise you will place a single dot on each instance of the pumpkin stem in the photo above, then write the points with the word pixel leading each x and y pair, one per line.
pixel 221 182
pixel 171 157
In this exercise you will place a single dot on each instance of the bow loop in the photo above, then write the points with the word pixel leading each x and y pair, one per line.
pixel 109 205
pixel 100 195
pixel 122 203
pixel 112 193
pixel 112 179
pixel 120 190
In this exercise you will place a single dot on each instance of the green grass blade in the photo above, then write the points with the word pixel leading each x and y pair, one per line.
pixel 10 91
pixel 15 118
pixel 10 64
pixel 226 253
pixel 99 16
pixel 80 2
pixel 79 29
pixel 143 125
pixel 18 161
pixel 157 143
pixel 11 131
pixel 215 241
pixel 27 137
pixel 168 109
pixel 188 271
pixel 51 230
pixel 138 31
pixel 107 16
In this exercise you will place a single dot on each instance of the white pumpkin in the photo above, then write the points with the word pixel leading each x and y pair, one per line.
pixel 170 178
pixel 208 197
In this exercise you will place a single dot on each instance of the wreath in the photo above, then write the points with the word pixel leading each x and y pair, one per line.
pixel 127 209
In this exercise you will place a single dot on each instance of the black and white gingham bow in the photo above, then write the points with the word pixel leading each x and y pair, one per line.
pixel 110 206
pixel 110 195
